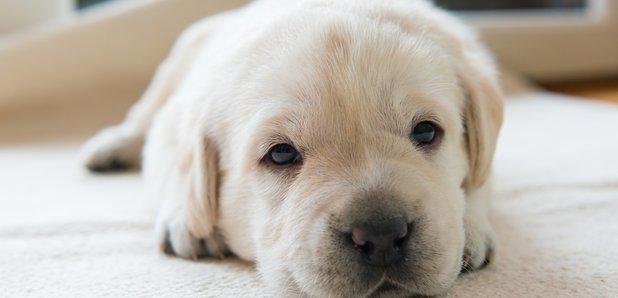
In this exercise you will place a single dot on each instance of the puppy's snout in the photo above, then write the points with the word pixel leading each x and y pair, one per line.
pixel 381 243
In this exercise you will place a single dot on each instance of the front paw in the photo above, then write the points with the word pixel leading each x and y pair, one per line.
pixel 112 149
pixel 479 249
pixel 175 238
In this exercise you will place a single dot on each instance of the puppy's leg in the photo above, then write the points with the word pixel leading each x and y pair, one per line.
pixel 479 248
pixel 175 236
pixel 185 178
pixel 119 147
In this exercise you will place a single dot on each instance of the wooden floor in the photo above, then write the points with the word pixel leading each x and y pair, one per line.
pixel 606 90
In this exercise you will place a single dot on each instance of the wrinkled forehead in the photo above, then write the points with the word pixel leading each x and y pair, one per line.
pixel 339 83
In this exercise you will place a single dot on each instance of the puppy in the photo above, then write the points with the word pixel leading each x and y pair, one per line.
pixel 344 146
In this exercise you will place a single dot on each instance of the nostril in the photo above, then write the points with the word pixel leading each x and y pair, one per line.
pixel 359 236
pixel 367 248
pixel 361 240
pixel 402 231
pixel 402 236
pixel 398 243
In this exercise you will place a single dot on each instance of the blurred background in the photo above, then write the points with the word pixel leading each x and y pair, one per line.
pixel 100 54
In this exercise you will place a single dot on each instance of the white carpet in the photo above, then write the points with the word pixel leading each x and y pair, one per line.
pixel 66 233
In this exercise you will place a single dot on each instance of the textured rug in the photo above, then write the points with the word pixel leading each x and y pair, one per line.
pixel 67 233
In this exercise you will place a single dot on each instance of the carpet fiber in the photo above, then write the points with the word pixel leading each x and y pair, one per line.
pixel 67 233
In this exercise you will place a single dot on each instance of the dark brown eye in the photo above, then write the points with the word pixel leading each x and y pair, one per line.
pixel 283 154
pixel 424 133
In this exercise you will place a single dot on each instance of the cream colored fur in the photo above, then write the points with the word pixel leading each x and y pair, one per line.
pixel 345 82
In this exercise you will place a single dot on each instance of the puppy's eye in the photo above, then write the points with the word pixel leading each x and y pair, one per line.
pixel 424 133
pixel 283 154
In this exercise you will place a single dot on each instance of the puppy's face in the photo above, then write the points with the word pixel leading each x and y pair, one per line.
pixel 354 159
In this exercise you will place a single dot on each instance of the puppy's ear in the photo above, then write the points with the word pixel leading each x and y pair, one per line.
pixel 482 113
pixel 202 173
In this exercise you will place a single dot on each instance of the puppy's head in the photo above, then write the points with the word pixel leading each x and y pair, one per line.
pixel 354 149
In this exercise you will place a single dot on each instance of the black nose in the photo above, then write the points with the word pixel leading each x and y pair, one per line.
pixel 381 242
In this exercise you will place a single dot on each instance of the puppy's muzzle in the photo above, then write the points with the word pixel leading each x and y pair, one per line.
pixel 381 242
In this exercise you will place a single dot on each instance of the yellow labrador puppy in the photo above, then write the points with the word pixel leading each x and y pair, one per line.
pixel 344 146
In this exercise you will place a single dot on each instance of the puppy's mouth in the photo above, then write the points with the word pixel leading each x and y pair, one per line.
pixel 389 289
pixel 386 288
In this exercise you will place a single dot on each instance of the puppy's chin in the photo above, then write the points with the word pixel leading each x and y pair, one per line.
pixel 284 284
pixel 382 290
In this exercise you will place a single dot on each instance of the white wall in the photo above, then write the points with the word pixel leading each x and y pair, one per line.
pixel 18 14
pixel 108 52
pixel 556 47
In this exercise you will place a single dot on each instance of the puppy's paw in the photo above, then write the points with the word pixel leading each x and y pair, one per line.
pixel 479 249
pixel 175 238
pixel 111 149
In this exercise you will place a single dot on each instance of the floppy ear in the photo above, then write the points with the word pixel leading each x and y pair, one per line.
pixel 201 168
pixel 482 113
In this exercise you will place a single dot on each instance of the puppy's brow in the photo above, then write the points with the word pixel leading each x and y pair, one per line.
pixel 426 116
